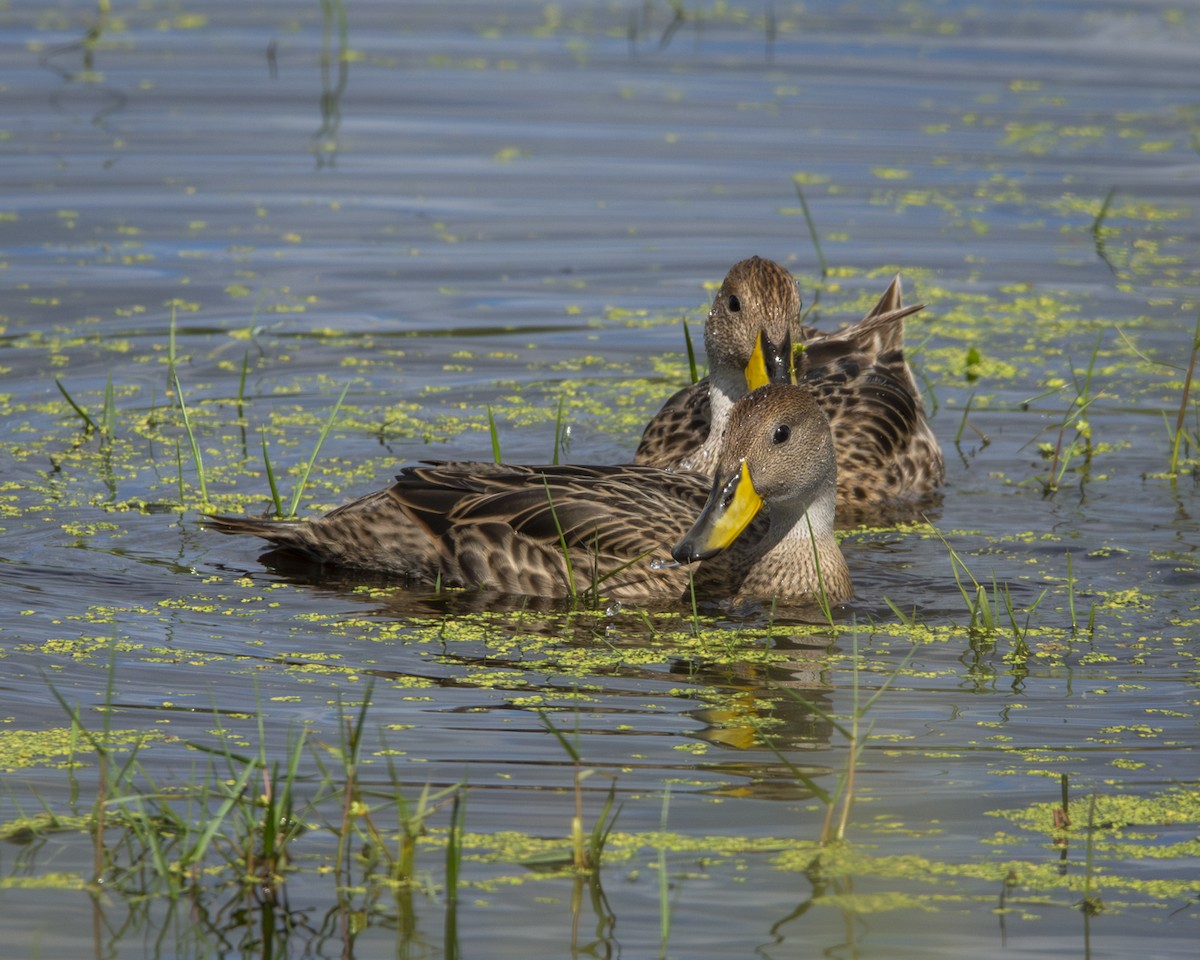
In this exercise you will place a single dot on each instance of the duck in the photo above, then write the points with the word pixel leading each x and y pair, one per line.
pixel 886 450
pixel 748 339
pixel 761 527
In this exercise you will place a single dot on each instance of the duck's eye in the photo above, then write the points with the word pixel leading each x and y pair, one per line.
pixel 735 305
pixel 782 432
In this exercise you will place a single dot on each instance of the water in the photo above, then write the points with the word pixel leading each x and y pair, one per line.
pixel 509 205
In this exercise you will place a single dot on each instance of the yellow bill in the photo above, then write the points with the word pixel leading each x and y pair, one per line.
pixel 769 363
pixel 730 508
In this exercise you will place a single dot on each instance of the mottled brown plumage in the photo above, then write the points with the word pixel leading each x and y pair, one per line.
pixel 757 295
pixel 886 450
pixel 504 528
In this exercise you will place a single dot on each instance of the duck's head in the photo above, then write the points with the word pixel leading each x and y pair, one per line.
pixel 777 455
pixel 749 328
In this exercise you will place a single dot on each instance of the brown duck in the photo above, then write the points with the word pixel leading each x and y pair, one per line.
pixel 886 450
pixel 762 528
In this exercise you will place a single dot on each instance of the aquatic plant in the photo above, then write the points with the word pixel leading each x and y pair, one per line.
pixel 664 886
pixel 325 141
pixel 346 752
pixel 984 612
pixel 494 434
pixel 839 801
pixel 964 423
pixel 812 229
pixel 1071 582
pixel 241 391
pixel 257 834
pixel 272 484
pixel 1180 434
pixel 149 838
pixel 171 344
pixel 588 854
pixel 693 373
pixel 823 603
pixel 562 542
pixel 1100 232
pixel 106 416
pixel 1074 421
pixel 197 459
pixel 152 829
pixel 454 840
pixel 303 482
pixel 562 432
pixel 412 817
pixel 357 820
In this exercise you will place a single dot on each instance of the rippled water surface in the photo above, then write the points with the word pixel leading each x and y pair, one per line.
pixel 450 208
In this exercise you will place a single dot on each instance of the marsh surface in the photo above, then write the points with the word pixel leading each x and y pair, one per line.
pixel 452 208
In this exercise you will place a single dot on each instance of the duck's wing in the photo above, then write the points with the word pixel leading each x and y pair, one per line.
pixel 554 530
pixel 885 447
pixel 541 530
pixel 678 430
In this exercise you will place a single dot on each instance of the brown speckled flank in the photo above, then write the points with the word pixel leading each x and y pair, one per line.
pixel 885 448
pixel 504 528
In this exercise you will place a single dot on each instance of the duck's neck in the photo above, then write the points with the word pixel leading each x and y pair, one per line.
pixel 801 557
pixel 794 559
pixel 720 403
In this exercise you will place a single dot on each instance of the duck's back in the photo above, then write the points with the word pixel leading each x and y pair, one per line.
pixel 886 450
pixel 678 430
pixel 542 530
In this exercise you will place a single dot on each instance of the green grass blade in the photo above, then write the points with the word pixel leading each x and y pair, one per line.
pixel 962 424
pixel 299 491
pixel 825 715
pixel 664 887
pixel 187 426
pixel 1098 230
pixel 809 783
pixel 983 608
pixel 812 229
pixel 605 821
pixel 822 597
pixel 691 351
pixel 558 430
pixel 171 344
pixel 597 580
pixel 108 419
pixel 276 499
pixel 76 721
pixel 904 618
pixel 571 749
pixel 1071 581
pixel 495 436
pixel 241 394
pixel 1183 399
pixel 83 415
pixel 214 822
pixel 695 605
pixel 453 863
pixel 562 542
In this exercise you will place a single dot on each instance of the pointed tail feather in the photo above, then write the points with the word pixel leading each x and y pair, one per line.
pixel 281 532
